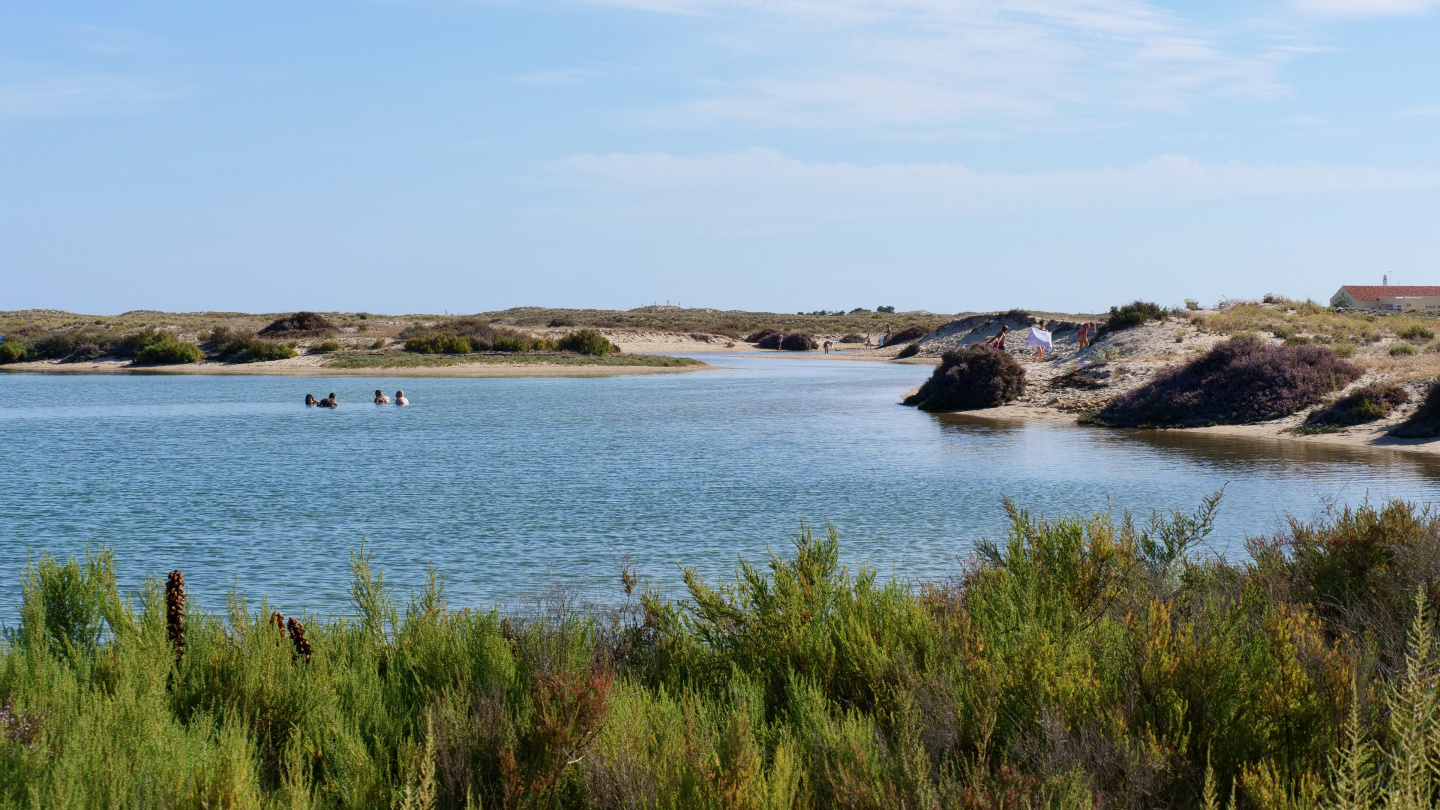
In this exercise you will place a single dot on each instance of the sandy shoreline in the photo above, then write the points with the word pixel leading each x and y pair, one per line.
pixel 1362 437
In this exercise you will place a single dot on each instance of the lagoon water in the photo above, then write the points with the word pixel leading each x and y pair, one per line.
pixel 512 487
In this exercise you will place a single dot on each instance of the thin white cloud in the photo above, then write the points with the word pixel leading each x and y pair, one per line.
pixel 1366 8
pixel 81 94
pixel 918 63
pixel 114 41
pixel 766 184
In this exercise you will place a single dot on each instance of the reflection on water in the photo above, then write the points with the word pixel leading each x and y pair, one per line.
pixel 507 484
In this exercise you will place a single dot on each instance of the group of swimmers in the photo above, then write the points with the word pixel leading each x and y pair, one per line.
pixel 332 402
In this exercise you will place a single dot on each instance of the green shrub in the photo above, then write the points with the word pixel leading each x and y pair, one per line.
pixel 853 337
pixel 510 343
pixel 1343 348
pixel 910 350
pixel 378 344
pixel 586 341
pixel 1191 304
pixel 1132 315
pixel 913 332
pixel 438 344
pixel 233 346
pixel 1417 332
pixel 1403 350
pixel 974 377
pixel 12 352
pixel 799 342
pixel 168 351
pixel 326 346
pixel 1364 404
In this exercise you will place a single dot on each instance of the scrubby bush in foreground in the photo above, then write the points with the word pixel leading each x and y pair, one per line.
pixel 1364 404
pixel 1241 380
pixel 1424 423
pixel 799 342
pixel 974 377
pixel 1078 662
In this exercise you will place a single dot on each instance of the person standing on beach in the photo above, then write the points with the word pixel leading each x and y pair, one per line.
pixel 380 398
pixel 1084 336
pixel 1040 338
pixel 827 347
pixel 998 342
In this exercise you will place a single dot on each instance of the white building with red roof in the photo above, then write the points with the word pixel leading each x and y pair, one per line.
pixel 1391 297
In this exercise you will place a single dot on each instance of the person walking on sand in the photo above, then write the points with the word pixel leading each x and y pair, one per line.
pixel 329 402
pixel 1040 339
pixel 998 342
pixel 400 398
pixel 380 398
pixel 1084 335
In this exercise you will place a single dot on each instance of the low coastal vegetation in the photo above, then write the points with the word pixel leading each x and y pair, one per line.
pixel 1132 315
pixel 1364 404
pixel 1077 662
pixel 974 377
pixel 300 324
pixel 167 350
pixel 234 346
pixel 1240 380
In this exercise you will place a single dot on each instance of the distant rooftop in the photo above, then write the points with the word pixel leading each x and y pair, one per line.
pixel 1375 293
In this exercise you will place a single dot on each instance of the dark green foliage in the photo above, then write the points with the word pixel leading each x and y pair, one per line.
pixel 1241 380
pixel 299 324
pixel 974 377
pixel 886 310
pixel 85 351
pixel 762 335
pixel 326 346
pixel 910 350
pixel 586 341
pixel 1424 423
pixel 246 347
pixel 1417 332
pixel 12 352
pixel 167 351
pixel 1132 315
pixel 799 342
pixel 438 344
pixel 853 337
pixel 1364 404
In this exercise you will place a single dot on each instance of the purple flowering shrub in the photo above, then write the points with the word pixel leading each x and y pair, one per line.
pixel 1241 380
pixel 974 377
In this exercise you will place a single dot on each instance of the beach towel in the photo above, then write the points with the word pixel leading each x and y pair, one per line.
pixel 1038 337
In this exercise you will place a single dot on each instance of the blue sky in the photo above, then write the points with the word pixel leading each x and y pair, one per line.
pixel 431 156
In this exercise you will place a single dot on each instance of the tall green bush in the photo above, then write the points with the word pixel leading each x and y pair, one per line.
pixel 586 341
pixel 168 350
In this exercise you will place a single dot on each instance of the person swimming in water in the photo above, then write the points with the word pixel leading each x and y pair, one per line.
pixel 380 398
pixel 311 400
pixel 329 402
pixel 400 398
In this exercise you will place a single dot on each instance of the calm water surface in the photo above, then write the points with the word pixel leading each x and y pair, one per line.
pixel 509 486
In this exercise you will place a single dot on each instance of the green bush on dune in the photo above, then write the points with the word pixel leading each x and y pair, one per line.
pixel 586 341
pixel 168 351
pixel 12 352
pixel 1078 662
